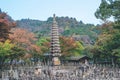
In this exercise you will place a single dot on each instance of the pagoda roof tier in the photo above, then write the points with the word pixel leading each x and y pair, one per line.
pixel 55 42
pixel 55 39
pixel 55 46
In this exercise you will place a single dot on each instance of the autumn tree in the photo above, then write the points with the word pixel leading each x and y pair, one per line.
pixel 24 39
pixel 5 45
pixel 5 26
pixel 69 47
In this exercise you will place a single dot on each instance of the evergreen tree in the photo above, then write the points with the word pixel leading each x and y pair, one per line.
pixel 107 45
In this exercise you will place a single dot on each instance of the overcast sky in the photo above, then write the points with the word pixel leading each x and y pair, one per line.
pixel 42 9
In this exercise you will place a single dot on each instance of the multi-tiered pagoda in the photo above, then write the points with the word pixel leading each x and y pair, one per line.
pixel 55 46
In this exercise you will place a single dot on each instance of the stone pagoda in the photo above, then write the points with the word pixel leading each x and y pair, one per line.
pixel 55 44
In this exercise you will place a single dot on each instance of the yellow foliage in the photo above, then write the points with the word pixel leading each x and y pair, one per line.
pixel 6 47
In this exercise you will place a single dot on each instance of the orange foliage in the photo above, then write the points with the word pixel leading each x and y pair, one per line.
pixel 36 48
pixel 5 26
pixel 47 44
pixel 68 44
pixel 27 56
pixel 24 38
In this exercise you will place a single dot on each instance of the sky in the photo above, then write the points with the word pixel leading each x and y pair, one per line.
pixel 42 9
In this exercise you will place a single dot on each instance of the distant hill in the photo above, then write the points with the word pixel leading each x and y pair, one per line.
pixel 67 27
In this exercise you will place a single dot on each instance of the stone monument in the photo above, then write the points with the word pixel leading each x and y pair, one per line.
pixel 55 44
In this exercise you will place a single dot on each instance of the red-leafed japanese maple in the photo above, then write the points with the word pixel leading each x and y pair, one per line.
pixel 25 39
pixel 5 26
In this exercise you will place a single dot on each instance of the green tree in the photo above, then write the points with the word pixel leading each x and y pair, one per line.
pixel 5 51
pixel 103 12
pixel 44 44
pixel 107 9
pixel 108 45
pixel 9 52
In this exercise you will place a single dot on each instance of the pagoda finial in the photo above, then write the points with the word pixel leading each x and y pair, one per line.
pixel 54 17
pixel 0 10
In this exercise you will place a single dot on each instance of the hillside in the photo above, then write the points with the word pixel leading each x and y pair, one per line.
pixel 67 27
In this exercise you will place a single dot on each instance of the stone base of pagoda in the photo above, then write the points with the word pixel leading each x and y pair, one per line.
pixel 56 61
